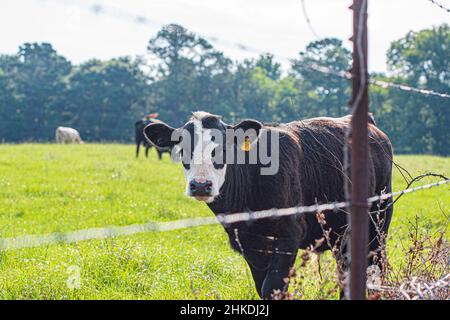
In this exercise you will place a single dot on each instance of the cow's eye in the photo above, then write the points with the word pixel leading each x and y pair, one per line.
pixel 186 165
pixel 218 165
pixel 218 158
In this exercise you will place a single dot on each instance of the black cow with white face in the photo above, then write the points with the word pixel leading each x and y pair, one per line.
pixel 231 173
pixel 140 138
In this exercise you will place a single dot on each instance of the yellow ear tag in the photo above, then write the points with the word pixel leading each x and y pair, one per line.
pixel 246 145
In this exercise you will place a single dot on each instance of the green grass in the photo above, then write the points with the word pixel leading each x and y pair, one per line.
pixel 54 188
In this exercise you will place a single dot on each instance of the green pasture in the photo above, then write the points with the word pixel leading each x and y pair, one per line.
pixel 48 188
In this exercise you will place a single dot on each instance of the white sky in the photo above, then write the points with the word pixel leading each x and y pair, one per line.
pixel 277 26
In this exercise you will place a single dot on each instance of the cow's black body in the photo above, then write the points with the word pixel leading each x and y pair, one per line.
pixel 310 172
pixel 140 139
pixel 311 156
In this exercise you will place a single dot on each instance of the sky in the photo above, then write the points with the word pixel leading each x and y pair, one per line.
pixel 276 26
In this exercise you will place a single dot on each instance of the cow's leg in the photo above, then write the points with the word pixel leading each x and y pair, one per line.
pixel 339 244
pixel 376 249
pixel 138 145
pixel 147 147
pixel 278 273
pixel 377 258
pixel 159 154
pixel 343 271
pixel 379 225
pixel 344 274
pixel 376 253
pixel 381 215
pixel 258 278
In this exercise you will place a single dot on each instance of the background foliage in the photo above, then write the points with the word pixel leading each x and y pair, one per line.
pixel 40 89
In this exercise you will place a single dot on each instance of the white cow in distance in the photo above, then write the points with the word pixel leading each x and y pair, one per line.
pixel 67 135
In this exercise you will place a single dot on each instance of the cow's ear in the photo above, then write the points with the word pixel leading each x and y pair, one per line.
pixel 249 133
pixel 159 134
pixel 249 124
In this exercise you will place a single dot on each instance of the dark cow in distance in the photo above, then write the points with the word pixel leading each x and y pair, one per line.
pixel 140 138
pixel 310 172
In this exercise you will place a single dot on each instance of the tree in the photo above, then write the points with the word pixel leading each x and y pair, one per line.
pixel 421 59
pixel 40 89
pixel 12 122
pixel 36 74
pixel 40 79
pixel 272 68
pixel 184 57
pixel 105 98
pixel 322 94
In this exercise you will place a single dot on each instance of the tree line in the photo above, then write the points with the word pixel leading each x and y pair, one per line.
pixel 183 72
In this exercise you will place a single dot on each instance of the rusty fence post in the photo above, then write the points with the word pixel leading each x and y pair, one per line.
pixel 359 154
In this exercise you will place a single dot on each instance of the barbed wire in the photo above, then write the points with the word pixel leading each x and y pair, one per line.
pixel 385 84
pixel 439 5
pixel 29 241
pixel 308 20
pixel 100 9
pixel 139 19
pixel 378 83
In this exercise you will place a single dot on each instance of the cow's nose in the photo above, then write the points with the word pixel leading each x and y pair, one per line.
pixel 200 187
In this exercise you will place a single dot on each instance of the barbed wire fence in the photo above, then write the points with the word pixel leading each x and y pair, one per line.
pixel 101 9
pixel 440 5
pixel 30 241
pixel 308 20
pixel 379 83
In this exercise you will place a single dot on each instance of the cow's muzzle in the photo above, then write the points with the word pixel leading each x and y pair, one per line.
pixel 200 189
pixel 270 259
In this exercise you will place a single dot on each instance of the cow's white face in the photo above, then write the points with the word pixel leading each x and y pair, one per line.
pixel 205 174
pixel 201 145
